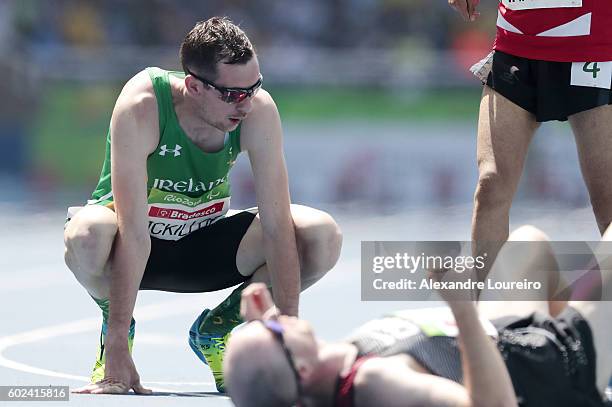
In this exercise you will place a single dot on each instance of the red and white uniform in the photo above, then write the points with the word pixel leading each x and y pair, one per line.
pixel 556 30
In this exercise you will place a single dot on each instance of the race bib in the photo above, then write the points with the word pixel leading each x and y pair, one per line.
pixel 592 74
pixel 173 216
pixel 533 4
pixel 441 323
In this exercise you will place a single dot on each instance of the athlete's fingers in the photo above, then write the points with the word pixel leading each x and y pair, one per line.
pixel 251 290
pixel 114 388
pixel 471 9
pixel 264 299
pixel 271 313
pixel 139 389
pixel 248 311
pixel 89 388
pixel 85 389
pixel 461 6
pixel 256 299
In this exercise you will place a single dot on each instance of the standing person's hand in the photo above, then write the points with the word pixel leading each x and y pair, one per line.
pixel 467 8
pixel 120 376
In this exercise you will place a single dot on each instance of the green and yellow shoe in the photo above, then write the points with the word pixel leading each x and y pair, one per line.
pixel 209 348
pixel 211 331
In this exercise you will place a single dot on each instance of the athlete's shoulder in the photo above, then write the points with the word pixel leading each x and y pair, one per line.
pixel 138 96
pixel 135 115
pixel 264 103
pixel 262 119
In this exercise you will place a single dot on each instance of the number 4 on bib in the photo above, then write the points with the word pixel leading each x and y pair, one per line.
pixel 592 74
pixel 594 69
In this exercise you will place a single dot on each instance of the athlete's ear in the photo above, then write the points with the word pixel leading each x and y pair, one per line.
pixel 194 86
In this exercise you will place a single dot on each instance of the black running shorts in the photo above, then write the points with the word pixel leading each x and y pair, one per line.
pixel 202 261
pixel 551 361
pixel 544 88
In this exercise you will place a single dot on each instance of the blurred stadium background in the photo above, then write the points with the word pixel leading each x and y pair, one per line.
pixel 379 112
pixel 378 105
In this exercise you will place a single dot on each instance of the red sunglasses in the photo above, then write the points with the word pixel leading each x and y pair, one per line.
pixel 231 95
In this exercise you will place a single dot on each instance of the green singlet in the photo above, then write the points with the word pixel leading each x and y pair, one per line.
pixel 187 189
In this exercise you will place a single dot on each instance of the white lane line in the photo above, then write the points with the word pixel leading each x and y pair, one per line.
pixel 145 313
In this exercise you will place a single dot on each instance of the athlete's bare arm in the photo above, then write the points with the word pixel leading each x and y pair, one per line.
pixel 261 137
pixel 134 135
pixel 485 375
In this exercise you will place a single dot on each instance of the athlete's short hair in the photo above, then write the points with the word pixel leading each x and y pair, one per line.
pixel 212 41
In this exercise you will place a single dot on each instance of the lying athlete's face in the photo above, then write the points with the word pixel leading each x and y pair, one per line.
pixel 227 116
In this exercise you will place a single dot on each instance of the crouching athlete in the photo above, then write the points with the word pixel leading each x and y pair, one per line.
pixel 159 218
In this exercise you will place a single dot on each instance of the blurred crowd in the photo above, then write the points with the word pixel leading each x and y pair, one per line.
pixel 63 61
pixel 321 23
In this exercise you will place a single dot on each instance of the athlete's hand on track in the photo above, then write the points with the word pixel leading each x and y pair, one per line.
pixel 120 377
pixel 256 303
pixel 467 8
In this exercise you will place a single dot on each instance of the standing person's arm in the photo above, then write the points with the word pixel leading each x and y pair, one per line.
pixel 262 138
pixel 134 135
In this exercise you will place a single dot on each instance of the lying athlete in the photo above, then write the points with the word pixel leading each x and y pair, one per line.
pixel 520 356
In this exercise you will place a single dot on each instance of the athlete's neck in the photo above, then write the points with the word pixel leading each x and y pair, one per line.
pixel 334 359
pixel 191 119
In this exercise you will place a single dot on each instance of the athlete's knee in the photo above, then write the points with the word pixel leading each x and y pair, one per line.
pixel 90 236
pixel 528 233
pixel 319 241
pixel 88 244
pixel 493 191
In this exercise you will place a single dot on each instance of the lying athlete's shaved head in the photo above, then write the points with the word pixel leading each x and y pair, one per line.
pixel 257 372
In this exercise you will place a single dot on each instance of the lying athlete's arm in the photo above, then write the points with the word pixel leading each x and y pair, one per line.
pixel 485 375
pixel 262 137
pixel 134 135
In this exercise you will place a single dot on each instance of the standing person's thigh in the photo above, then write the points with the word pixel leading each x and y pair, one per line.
pixel 593 134
pixel 88 240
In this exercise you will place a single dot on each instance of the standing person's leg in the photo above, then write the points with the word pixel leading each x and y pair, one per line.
pixel 593 134
pixel 504 133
